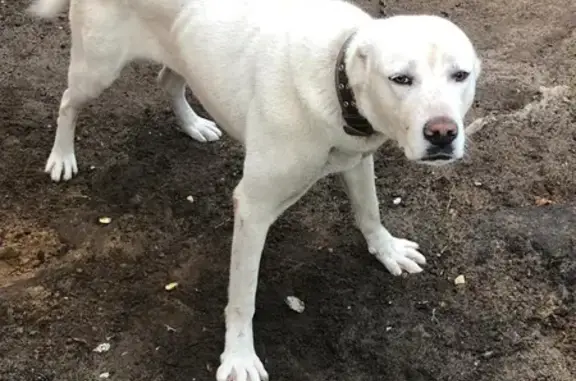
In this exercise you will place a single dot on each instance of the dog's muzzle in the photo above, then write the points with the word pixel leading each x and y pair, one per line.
pixel 440 132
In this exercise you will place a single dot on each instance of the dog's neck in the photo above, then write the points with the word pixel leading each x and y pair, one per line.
pixel 356 124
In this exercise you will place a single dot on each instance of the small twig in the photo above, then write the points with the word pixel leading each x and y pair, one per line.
pixel 170 329
pixel 434 318
pixel 79 340
pixel 449 200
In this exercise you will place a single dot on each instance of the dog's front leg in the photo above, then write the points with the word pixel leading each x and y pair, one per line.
pixel 269 186
pixel 239 359
pixel 395 253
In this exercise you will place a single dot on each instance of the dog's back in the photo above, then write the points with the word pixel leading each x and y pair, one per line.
pixel 228 52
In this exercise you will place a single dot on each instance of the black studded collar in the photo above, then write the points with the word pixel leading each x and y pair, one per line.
pixel 356 124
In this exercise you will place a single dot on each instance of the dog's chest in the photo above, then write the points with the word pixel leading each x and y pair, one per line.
pixel 339 160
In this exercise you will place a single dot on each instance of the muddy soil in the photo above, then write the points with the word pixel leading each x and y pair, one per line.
pixel 504 218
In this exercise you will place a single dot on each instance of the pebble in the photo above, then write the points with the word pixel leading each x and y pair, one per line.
pixel 101 348
pixel 171 286
pixel 295 304
pixel 104 220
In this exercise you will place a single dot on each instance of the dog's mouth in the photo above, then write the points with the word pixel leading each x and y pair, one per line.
pixel 438 157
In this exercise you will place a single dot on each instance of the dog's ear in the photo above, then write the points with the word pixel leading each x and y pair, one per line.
pixel 360 64
pixel 478 67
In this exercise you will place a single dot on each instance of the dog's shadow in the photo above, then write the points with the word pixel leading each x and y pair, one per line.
pixel 156 164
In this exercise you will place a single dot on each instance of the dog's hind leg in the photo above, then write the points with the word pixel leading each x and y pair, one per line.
pixel 91 71
pixel 196 127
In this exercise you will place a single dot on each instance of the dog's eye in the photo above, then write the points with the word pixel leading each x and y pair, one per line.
pixel 460 76
pixel 403 80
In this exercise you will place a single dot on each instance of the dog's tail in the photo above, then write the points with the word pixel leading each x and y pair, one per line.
pixel 47 8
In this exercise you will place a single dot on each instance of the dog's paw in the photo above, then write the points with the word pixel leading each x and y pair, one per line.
pixel 241 366
pixel 61 166
pixel 399 255
pixel 203 130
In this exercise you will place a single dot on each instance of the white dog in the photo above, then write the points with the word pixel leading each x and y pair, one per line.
pixel 310 87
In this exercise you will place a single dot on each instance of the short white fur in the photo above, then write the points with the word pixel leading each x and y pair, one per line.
pixel 264 70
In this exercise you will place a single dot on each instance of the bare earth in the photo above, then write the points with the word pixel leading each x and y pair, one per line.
pixel 68 283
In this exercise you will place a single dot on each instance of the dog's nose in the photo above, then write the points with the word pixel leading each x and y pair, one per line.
pixel 440 131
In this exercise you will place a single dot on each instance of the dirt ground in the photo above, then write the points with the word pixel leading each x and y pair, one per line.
pixel 505 218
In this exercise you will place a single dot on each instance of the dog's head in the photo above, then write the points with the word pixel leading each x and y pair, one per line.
pixel 414 78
